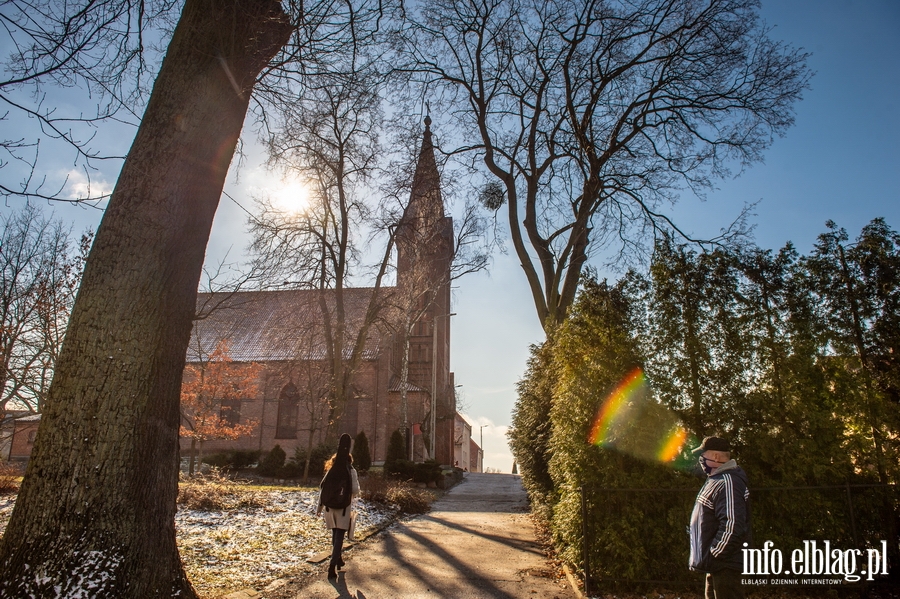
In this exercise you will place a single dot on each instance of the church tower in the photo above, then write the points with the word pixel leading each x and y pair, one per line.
pixel 424 255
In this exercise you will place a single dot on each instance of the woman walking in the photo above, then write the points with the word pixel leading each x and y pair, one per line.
pixel 338 488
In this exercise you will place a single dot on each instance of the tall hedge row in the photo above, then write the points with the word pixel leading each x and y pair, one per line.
pixel 796 359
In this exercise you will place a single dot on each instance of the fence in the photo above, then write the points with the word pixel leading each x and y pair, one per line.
pixel 639 536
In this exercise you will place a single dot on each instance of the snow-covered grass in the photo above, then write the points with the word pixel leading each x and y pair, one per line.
pixel 251 547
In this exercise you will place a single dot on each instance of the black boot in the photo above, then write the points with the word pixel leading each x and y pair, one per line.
pixel 331 572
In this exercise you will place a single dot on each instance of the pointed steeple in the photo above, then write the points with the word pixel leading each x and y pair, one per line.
pixel 425 234
pixel 426 203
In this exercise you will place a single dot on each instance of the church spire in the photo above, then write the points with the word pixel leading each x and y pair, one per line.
pixel 425 234
pixel 426 201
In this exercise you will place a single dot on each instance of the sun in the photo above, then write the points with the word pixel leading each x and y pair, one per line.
pixel 292 196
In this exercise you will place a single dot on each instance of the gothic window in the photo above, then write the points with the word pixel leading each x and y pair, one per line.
pixel 420 352
pixel 230 411
pixel 422 327
pixel 288 401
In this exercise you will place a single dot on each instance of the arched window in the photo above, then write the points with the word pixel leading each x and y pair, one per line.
pixel 288 401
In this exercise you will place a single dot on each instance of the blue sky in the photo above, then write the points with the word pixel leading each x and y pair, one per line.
pixel 839 162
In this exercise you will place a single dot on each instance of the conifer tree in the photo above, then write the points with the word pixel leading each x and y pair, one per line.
pixel 362 457
pixel 396 452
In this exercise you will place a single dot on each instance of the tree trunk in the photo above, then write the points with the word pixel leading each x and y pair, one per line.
pixel 404 388
pixel 193 456
pixel 95 514
pixel 200 457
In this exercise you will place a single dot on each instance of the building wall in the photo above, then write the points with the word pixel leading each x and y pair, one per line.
pixel 476 457
pixel 23 440
pixel 374 409
pixel 462 436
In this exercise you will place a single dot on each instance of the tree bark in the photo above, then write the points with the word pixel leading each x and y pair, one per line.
pixel 95 514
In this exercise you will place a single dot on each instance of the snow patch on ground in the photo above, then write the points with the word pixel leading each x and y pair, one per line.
pixel 7 502
pixel 224 551
pixel 252 547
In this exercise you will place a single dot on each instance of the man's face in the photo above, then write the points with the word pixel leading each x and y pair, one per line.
pixel 709 461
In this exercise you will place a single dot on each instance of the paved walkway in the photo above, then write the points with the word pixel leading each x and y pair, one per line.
pixel 476 543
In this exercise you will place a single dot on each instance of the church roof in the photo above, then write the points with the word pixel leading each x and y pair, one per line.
pixel 280 325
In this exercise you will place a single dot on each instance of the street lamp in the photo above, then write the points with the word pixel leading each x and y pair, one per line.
pixel 481 445
pixel 433 419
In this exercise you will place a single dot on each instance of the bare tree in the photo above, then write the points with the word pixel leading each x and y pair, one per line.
pixel 102 54
pixel 39 275
pixel 328 137
pixel 588 115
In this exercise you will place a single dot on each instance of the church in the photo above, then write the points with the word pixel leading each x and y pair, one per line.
pixel 401 377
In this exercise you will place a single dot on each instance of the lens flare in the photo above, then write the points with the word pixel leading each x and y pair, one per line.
pixel 630 421
pixel 616 407
pixel 671 445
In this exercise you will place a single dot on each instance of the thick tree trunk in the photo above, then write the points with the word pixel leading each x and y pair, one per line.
pixel 95 515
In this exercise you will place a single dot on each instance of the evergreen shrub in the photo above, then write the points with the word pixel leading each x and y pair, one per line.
pixel 272 462
pixel 400 469
pixel 232 460
pixel 318 456
pixel 396 452
pixel 362 457
pixel 427 472
pixel 594 352
pixel 529 435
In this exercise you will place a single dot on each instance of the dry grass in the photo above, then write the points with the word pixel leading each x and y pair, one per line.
pixel 410 500
pixel 10 477
pixel 216 492
pixel 375 487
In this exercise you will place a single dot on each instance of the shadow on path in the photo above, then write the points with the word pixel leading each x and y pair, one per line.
pixel 477 543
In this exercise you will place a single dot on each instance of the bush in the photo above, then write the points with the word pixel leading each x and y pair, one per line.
pixel 9 477
pixel 379 489
pixel 375 488
pixel 427 472
pixel 291 469
pixel 593 351
pixel 232 460
pixel 318 456
pixel 532 428
pixel 410 500
pixel 272 462
pixel 218 460
pixel 396 451
pixel 362 457
pixel 216 492
pixel 244 459
pixel 400 469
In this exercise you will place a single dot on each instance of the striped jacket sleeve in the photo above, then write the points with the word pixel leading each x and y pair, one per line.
pixel 731 513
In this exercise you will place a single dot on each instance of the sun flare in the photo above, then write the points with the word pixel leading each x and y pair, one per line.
pixel 292 196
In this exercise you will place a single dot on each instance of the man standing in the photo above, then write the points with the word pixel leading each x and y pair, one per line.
pixel 720 522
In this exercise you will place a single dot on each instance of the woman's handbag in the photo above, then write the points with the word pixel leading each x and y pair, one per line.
pixel 352 531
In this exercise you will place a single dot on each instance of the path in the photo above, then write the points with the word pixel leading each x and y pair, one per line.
pixel 476 543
